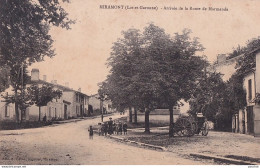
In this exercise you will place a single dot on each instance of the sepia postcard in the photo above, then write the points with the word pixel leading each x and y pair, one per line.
pixel 129 82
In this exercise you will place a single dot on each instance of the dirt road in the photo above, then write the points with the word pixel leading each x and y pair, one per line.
pixel 70 144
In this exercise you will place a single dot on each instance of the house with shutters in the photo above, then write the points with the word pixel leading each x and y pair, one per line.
pixel 72 103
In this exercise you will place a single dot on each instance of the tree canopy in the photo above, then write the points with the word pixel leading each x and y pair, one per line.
pixel 152 67
pixel 24 34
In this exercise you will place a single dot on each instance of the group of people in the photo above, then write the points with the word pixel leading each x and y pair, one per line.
pixel 110 127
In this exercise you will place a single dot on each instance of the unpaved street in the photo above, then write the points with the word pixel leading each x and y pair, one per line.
pixel 69 144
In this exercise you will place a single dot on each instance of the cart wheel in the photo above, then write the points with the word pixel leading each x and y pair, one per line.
pixel 183 127
pixel 205 129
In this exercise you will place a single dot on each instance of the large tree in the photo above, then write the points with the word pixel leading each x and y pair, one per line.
pixel 152 67
pixel 175 65
pixel 24 34
pixel 4 78
pixel 123 60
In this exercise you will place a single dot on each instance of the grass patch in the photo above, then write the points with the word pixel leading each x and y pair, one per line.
pixel 164 139
pixel 12 125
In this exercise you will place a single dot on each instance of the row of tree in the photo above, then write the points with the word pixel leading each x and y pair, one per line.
pixel 25 39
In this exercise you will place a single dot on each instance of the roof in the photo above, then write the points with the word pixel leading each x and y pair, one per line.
pixel 63 88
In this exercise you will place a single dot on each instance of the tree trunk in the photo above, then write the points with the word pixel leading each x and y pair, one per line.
pixel 130 114
pixel 39 113
pixel 16 107
pixel 135 119
pixel 22 115
pixel 171 126
pixel 147 124
pixel 17 112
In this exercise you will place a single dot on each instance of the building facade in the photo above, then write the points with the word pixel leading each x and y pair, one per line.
pixel 71 104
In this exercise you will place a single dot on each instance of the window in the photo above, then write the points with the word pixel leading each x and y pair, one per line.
pixel 49 111
pixel 249 89
pixel 55 113
pixel 6 111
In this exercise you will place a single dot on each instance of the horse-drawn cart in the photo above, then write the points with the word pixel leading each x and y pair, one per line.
pixel 190 125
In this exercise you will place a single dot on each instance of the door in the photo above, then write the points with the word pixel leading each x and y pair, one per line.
pixel 65 111
pixel 250 119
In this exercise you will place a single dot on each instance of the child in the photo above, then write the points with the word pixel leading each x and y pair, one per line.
pixel 90 130
pixel 99 129
pixel 125 128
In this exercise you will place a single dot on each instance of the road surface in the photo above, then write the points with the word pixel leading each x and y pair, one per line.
pixel 70 144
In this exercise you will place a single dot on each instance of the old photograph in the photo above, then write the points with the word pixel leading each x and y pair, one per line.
pixel 129 82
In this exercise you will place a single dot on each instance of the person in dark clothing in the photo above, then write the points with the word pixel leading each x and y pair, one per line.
pixel 125 128
pixel 44 118
pixel 120 128
pixel 110 126
pixel 114 127
pixel 91 132
pixel 99 129
pixel 105 128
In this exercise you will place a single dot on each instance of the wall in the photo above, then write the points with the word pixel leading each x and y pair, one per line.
pixel 69 96
pixel 257 107
pixel 95 102
pixel 257 72
pixel 157 118
pixel 245 85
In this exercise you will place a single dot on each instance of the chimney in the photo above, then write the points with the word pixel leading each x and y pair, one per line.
pixel 79 89
pixel 35 74
pixel 67 84
pixel 45 78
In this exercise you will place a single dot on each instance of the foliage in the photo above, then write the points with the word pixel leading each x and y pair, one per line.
pixel 25 29
pixel 207 95
pixel 257 98
pixel 151 68
pixel 24 35
pixel 41 96
pixel 23 99
pixel 236 52
pixel 4 78
pixel 248 62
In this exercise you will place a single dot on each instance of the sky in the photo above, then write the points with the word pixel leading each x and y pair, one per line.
pixel 82 52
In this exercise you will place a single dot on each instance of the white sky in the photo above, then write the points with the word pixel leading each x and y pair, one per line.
pixel 81 52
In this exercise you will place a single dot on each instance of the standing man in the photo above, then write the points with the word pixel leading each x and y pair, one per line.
pixel 110 126
pixel 125 128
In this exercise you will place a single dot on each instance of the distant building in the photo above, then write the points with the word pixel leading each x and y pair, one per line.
pixel 71 104
pixel 95 104
pixel 94 101
pixel 225 66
